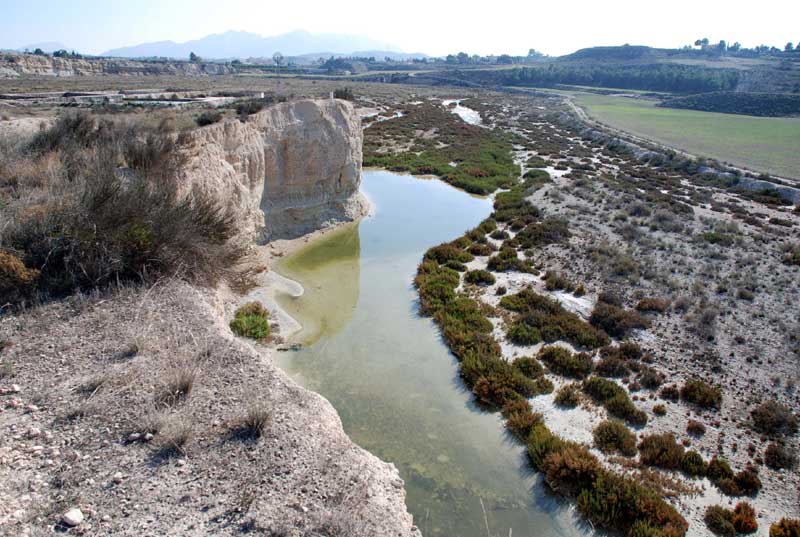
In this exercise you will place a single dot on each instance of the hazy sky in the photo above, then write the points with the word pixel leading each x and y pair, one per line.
pixel 430 26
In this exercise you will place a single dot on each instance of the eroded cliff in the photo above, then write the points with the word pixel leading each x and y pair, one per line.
pixel 290 169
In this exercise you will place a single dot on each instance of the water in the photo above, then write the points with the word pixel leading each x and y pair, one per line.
pixel 393 381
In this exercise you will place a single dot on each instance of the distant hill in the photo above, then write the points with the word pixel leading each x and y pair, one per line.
pixel 249 45
pixel 616 54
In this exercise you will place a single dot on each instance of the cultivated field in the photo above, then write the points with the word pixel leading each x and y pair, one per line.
pixel 760 144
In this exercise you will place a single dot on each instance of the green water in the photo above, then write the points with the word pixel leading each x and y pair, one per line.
pixel 393 381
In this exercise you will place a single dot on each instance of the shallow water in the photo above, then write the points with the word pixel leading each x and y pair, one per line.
pixel 393 381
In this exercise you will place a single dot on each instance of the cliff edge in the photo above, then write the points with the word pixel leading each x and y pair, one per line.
pixel 288 170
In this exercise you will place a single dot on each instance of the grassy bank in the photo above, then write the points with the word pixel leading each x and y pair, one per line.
pixel 428 140
pixel 758 143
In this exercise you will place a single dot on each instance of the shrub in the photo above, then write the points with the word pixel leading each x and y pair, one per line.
pixel 615 400
pixel 568 396
pixel 253 424
pixel 343 93
pixel 557 281
pixel 662 451
pixel 612 367
pixel 702 394
pixel 658 305
pixel 479 277
pixel 522 334
pixel 671 392
pixel 541 443
pixel 612 436
pixel 520 418
pixel 448 252
pixel 499 235
pixel 551 321
pixel 98 227
pixel 178 386
pixel 775 419
pixel 529 366
pixel 659 410
pixel 693 464
pixel 695 428
pixel 562 361
pixel 747 481
pixel 719 520
pixel 208 117
pixel 478 249
pixel 779 457
pixel 251 320
pixel 615 321
pixel 786 527
pixel 719 469
pixel 571 469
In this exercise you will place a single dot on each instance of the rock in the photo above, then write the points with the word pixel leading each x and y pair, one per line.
pixel 73 517
pixel 134 437
pixel 287 170
pixel 148 437
pixel 117 478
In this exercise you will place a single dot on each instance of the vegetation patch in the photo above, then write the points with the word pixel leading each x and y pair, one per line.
pixel 611 436
pixel 541 318
pixel 252 321
pixel 560 360
pixel 615 399
pixel 702 394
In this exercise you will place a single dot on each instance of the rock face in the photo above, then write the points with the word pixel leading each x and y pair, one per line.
pixel 13 65
pixel 290 169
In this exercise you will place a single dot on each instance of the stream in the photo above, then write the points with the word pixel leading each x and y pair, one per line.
pixel 391 378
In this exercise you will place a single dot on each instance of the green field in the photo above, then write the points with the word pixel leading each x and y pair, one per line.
pixel 757 143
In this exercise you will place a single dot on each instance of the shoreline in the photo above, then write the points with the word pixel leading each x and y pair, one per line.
pixel 274 282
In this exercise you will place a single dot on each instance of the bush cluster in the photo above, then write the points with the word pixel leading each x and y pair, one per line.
pixel 615 399
pixel 479 277
pixel 662 451
pixel 209 117
pixel 722 521
pixel 702 394
pixel 252 321
pixel 560 360
pixel 612 436
pixel 95 223
pixel 616 321
pixel 568 396
pixel 785 527
pixel 774 419
pixel 541 318
pixel 779 457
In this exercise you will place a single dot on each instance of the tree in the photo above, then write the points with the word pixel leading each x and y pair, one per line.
pixel 463 57
pixel 735 47
pixel 723 46
pixel 278 59
pixel 798 46
pixel 193 57
pixel 39 52
pixel 789 46
pixel 533 53
pixel 505 59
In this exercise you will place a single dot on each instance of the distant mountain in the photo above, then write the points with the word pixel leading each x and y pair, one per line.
pixel 50 46
pixel 249 45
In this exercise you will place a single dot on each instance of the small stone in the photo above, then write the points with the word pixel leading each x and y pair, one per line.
pixel 181 462
pixel 14 388
pixel 148 437
pixel 105 518
pixel 134 437
pixel 32 408
pixel 73 517
pixel 33 432
pixel 117 478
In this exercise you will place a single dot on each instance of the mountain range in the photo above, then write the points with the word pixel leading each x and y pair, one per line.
pixel 234 44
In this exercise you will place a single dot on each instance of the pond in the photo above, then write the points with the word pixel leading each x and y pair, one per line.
pixel 391 378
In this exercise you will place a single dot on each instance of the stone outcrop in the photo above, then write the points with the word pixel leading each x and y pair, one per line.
pixel 288 170
pixel 13 65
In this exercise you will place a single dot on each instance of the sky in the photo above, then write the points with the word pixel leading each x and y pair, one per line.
pixel 432 27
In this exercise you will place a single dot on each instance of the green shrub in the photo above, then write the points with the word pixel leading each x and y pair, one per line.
pixel 695 428
pixel 479 277
pixel 612 436
pixel 661 450
pixel 552 321
pixel 478 249
pixel 649 378
pixel 541 443
pixel 568 396
pixel 520 418
pixel 693 464
pixel 252 321
pixel 529 366
pixel 612 367
pixel 671 392
pixel 775 419
pixel 747 481
pixel 557 281
pixel 719 469
pixel 659 410
pixel 719 520
pixel 615 400
pixel 560 360
pixel 522 334
pixel 448 252
pixel 702 394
